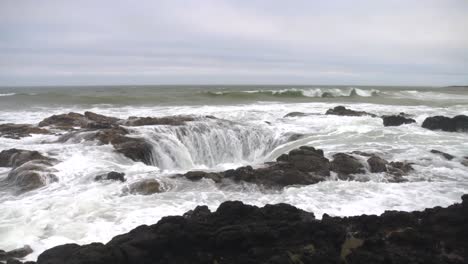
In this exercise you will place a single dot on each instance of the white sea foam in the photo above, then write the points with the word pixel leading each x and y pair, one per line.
pixel 7 94
pixel 78 210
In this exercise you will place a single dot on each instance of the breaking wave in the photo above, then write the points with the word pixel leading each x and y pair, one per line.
pixel 295 92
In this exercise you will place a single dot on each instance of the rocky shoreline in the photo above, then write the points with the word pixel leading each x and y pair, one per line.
pixel 239 233
pixel 281 233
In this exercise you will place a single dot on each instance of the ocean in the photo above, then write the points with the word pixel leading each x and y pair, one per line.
pixel 250 129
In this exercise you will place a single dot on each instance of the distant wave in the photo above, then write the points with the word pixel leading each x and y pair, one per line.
pixel 7 94
pixel 294 92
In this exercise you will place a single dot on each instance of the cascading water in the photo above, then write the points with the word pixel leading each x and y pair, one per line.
pixel 209 143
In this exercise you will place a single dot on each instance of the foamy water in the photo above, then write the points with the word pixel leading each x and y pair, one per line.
pixel 76 209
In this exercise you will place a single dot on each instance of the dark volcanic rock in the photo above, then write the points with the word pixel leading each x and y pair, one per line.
pixel 295 114
pixel 343 111
pixel 96 121
pixel 13 255
pixel 169 120
pixel 345 164
pixel 17 157
pixel 239 233
pixel 65 121
pixel 456 124
pixel 145 187
pixel 31 170
pixel 113 175
pixel 137 149
pixel 399 169
pixel 29 176
pixel 198 175
pixel 396 120
pixel 302 166
pixel 443 154
pixel 17 131
pixel 377 164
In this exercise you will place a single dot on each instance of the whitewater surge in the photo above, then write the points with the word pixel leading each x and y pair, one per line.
pixel 301 92
pixel 76 209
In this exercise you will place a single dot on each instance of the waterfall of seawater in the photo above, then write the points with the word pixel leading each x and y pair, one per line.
pixel 208 143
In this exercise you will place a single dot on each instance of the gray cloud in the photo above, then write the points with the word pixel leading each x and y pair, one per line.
pixel 155 42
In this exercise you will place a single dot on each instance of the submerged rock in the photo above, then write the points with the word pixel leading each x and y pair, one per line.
pixel 456 124
pixel 198 175
pixel 443 154
pixel 17 131
pixel 29 176
pixel 145 187
pixel 113 175
pixel 239 233
pixel 343 111
pixel 397 120
pixel 295 114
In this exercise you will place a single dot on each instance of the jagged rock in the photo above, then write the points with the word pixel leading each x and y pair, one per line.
pixel 343 111
pixel 15 253
pixel 146 121
pixel 396 120
pixel 65 121
pixel 197 175
pixel 377 164
pixel 17 157
pixel 456 124
pixel 399 168
pixel 97 121
pixel 17 131
pixel 294 114
pixel 443 154
pixel 145 187
pixel 113 175
pixel 30 175
pixel 137 149
pixel 345 164
pixel 239 233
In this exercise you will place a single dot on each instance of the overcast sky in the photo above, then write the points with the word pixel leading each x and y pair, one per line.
pixel 233 42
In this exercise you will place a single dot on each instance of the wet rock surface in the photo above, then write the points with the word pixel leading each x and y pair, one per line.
pixel 295 114
pixel 377 164
pixel 29 176
pixel 239 233
pixel 456 124
pixel 343 111
pixel 345 164
pixel 17 131
pixel 396 120
pixel 307 165
pixel 30 170
pixel 113 175
pixel 12 256
pixel 110 130
pixel 146 121
pixel 17 157
pixel 443 154
pixel 144 187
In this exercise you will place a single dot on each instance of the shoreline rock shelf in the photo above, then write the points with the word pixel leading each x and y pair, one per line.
pixel 281 233
pixel 307 165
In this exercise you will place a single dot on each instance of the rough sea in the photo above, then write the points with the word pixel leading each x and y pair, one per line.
pixel 251 129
